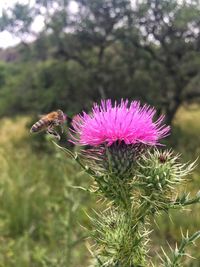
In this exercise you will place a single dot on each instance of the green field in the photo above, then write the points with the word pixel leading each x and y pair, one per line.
pixel 42 217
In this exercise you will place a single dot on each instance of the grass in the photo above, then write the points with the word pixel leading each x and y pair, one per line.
pixel 41 213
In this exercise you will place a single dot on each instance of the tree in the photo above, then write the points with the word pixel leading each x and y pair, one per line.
pixel 170 33
pixel 148 49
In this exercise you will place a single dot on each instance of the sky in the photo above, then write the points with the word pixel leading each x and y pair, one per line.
pixel 7 39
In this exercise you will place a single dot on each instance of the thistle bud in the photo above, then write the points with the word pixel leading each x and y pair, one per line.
pixel 161 171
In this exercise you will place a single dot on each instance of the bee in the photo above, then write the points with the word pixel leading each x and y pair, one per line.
pixel 48 123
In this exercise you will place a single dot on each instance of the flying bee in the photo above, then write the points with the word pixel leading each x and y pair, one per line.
pixel 48 123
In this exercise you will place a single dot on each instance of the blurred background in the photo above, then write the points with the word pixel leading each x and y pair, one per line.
pixel 67 54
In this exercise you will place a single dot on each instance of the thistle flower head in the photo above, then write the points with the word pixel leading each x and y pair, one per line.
pixel 117 134
pixel 127 122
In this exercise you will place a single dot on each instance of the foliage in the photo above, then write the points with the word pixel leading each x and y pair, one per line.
pixel 50 85
pixel 112 49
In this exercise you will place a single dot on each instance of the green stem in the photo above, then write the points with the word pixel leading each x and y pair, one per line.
pixel 179 252
pixel 186 202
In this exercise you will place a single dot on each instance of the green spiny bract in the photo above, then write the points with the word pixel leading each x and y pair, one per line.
pixel 118 241
pixel 119 159
pixel 161 171
pixel 157 175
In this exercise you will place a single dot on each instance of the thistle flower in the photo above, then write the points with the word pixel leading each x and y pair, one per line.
pixel 117 134
pixel 124 122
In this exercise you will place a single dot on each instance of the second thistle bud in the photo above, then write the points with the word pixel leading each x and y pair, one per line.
pixel 161 171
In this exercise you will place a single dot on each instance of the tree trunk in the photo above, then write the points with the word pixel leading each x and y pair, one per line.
pixel 171 110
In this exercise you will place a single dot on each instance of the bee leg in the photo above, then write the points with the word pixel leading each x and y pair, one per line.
pixel 62 129
pixel 51 131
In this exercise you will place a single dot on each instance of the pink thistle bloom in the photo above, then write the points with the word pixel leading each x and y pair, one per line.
pixel 123 122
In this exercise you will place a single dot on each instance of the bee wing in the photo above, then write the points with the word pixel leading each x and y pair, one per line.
pixel 41 116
